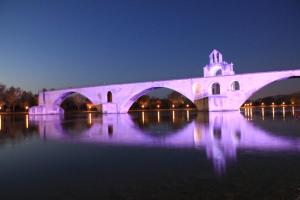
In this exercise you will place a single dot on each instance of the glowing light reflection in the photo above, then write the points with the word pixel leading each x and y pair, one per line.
pixel 293 111
pixel 90 121
pixel 273 113
pixel 143 117
pixel 26 121
pixel 158 116
pixel 263 113
pixel 173 116
pixel 283 112
pixel 188 115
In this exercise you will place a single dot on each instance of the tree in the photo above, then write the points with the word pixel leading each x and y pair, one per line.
pixel 78 101
pixel 155 102
pixel 144 101
pixel 2 95
pixel 176 99
pixel 13 96
pixel 27 99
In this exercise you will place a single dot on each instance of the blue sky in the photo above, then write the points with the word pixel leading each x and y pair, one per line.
pixel 63 43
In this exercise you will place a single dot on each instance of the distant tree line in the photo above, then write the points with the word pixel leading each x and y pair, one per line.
pixel 173 100
pixel 76 102
pixel 288 99
pixel 14 99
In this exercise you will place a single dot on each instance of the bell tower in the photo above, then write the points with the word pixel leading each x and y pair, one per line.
pixel 216 66
pixel 215 57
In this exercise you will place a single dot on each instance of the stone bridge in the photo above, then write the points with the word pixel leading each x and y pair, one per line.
pixel 219 90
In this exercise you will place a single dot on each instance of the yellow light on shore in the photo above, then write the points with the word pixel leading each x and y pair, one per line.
pixel 262 103
pixel 273 103
pixel 283 103
pixel 89 106
pixel 293 102
pixel 187 105
pixel 158 106
pixel 250 104
pixel 173 106
pixel 0 107
pixel 143 106
pixel 26 107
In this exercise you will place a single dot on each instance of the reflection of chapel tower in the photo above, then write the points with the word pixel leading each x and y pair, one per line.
pixel 216 66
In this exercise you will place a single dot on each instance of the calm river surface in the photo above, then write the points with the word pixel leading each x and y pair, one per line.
pixel 251 154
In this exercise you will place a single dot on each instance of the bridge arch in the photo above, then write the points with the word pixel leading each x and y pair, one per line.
pixel 263 81
pixel 139 93
pixel 63 96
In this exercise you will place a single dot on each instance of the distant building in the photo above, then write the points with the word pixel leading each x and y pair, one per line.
pixel 216 66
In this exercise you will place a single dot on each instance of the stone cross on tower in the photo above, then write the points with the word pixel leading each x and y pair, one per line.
pixel 216 66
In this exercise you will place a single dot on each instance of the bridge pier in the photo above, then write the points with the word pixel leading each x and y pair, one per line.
pixel 45 110
pixel 108 108
pixel 202 104
pixel 217 103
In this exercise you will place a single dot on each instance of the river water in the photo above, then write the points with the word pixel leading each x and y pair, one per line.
pixel 251 154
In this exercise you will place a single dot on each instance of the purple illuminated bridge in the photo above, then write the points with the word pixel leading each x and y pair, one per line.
pixel 219 90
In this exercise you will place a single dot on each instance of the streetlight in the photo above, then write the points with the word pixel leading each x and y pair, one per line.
pixel 158 106
pixel 26 107
pixel 187 105
pixel 262 103
pixel 173 106
pixel 89 107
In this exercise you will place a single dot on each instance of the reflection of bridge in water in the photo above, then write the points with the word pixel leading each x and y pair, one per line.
pixel 220 134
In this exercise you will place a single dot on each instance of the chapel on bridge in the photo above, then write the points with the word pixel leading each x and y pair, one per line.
pixel 216 66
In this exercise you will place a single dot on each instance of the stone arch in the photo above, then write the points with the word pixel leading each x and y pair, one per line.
pixel 134 97
pixel 58 101
pixel 276 76
pixel 219 72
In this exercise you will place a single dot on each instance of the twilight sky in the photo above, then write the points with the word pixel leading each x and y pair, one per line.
pixel 63 43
